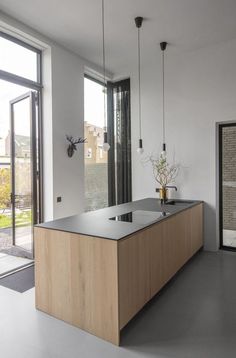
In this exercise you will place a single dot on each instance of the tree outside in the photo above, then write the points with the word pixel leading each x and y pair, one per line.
pixel 23 195
pixel 5 189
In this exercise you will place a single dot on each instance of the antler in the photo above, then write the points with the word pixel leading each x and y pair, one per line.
pixel 75 141
pixel 79 140
pixel 69 138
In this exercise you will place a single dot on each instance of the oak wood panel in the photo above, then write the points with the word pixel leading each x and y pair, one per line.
pixel 149 259
pixel 175 244
pixel 183 237
pixel 77 281
pixel 168 249
pixel 196 222
pixel 156 259
pixel 134 275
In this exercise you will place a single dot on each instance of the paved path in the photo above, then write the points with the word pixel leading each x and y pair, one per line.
pixel 23 237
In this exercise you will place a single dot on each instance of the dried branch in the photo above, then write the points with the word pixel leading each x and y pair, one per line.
pixel 163 172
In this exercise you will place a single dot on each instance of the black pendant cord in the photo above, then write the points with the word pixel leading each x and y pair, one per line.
pixel 138 22
pixel 163 47
pixel 104 65
pixel 139 86
pixel 163 102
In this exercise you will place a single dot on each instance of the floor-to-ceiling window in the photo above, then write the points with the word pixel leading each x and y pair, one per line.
pixel 20 186
pixel 119 137
pixel 227 170
pixel 96 177
pixel 108 177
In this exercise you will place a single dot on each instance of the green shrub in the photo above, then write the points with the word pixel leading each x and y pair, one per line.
pixel 5 189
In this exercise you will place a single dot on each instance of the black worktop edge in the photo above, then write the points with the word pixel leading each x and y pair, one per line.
pixel 193 203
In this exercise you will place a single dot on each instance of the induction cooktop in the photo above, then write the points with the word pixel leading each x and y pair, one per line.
pixel 140 216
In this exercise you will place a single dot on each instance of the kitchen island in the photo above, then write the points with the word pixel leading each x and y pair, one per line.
pixel 98 269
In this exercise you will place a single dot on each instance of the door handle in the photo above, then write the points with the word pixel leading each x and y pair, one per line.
pixel 12 197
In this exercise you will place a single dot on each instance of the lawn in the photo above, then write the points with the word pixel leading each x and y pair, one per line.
pixel 22 219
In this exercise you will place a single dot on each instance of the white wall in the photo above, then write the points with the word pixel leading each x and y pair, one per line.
pixel 200 91
pixel 68 118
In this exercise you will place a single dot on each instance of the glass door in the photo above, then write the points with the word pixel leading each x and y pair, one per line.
pixel 227 171
pixel 23 172
pixel 20 148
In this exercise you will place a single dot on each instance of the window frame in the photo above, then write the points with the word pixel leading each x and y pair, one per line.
pixel 38 52
pixel 37 86
pixel 220 127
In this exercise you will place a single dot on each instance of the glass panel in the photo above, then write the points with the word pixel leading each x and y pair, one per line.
pixel 5 204
pixel 23 181
pixel 96 179
pixel 17 59
pixel 229 185
pixel 11 256
pixel 8 91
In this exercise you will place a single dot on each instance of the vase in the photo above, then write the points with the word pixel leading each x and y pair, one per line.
pixel 163 192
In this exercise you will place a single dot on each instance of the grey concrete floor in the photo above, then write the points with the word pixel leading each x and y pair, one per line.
pixel 194 316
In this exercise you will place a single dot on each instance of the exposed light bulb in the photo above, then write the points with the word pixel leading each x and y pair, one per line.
pixel 163 153
pixel 106 147
pixel 140 150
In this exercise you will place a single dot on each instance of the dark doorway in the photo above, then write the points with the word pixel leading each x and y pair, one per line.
pixel 227 185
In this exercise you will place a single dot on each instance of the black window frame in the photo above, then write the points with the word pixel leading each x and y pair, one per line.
pixel 113 188
pixel 31 48
pixel 36 86
pixel 220 193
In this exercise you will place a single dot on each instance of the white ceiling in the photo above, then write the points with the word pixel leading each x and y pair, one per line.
pixel 76 24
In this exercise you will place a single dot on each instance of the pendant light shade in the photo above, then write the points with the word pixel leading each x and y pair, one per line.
pixel 138 22
pixel 163 46
pixel 106 145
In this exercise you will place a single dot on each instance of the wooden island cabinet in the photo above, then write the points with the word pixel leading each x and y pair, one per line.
pixel 150 258
pixel 100 284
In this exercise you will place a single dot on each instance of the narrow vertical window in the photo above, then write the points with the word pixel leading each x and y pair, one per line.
pixel 227 170
pixel 96 176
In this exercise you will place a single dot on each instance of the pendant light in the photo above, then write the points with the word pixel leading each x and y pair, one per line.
pixel 106 145
pixel 138 22
pixel 163 48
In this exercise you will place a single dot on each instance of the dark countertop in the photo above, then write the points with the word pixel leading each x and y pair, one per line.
pixel 97 223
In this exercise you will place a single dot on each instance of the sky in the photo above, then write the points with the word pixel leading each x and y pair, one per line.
pixel 8 92
pixel 22 62
pixel 17 59
pixel 93 103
